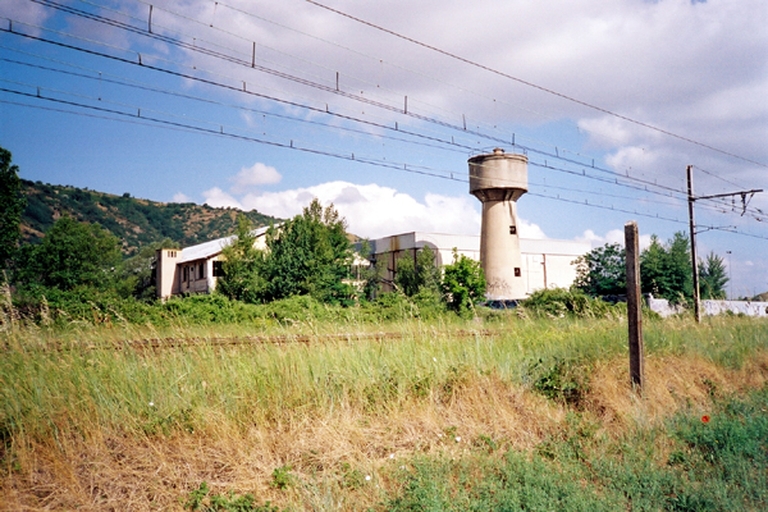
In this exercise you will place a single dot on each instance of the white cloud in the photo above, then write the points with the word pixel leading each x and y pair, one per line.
pixel 31 15
pixel 374 211
pixel 614 236
pixel 257 174
pixel 217 198
pixel 180 197
pixel 371 211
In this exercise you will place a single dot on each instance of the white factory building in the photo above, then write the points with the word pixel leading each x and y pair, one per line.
pixel 544 263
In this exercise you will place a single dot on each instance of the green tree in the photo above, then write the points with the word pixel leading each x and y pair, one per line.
pixel 419 275
pixel 73 254
pixel 463 284
pixel 665 270
pixel 712 277
pixel 12 203
pixel 309 255
pixel 602 271
pixel 243 265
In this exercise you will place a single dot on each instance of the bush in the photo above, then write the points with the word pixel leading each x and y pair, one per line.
pixel 560 302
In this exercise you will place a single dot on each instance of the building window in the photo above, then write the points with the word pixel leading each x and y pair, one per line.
pixel 517 272
pixel 218 269
pixel 201 271
pixel 512 230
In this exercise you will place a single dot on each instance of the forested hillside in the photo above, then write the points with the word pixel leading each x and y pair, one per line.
pixel 137 222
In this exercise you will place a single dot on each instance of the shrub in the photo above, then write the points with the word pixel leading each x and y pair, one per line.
pixel 561 302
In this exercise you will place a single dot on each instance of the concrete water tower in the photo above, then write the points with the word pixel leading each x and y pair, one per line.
pixel 498 180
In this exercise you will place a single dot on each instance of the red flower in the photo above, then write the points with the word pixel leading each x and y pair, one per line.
pixel 705 419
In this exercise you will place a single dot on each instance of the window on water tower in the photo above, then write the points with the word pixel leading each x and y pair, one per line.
pixel 512 230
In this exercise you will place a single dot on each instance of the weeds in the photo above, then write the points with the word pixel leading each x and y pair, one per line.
pixel 720 464
pixel 202 500
pixel 282 477
pixel 566 382
pixel 75 393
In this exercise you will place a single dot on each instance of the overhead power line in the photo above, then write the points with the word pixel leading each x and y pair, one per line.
pixel 556 155
pixel 138 117
pixel 527 83
pixel 584 170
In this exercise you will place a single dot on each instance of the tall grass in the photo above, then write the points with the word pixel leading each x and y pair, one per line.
pixel 427 380
pixel 93 378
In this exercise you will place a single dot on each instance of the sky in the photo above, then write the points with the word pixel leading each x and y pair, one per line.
pixel 376 107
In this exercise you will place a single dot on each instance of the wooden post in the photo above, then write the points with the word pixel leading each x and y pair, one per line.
pixel 634 310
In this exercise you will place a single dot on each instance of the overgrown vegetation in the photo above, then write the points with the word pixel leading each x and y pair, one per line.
pixel 136 222
pixel 321 410
pixel 715 462
pixel 665 271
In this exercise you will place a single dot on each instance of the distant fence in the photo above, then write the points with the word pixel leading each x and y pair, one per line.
pixel 710 307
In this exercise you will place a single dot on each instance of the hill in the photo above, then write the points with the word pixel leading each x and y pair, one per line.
pixel 137 222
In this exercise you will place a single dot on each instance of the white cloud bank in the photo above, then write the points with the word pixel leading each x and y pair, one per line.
pixel 371 211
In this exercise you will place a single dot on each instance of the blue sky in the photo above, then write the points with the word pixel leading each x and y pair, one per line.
pixel 611 100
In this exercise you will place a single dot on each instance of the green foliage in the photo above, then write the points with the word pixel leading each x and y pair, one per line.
pixel 201 500
pixel 602 271
pixel 136 222
pixel 421 275
pixel 209 309
pixel 282 477
pixel 83 304
pixel 666 269
pixel 71 255
pixel 712 277
pixel 309 255
pixel 463 284
pixel 485 483
pixel 560 302
pixel 243 264
pixel 12 204
pixel 561 380
pixel 721 464
pixel 138 272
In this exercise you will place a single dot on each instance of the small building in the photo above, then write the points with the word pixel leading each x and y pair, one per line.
pixel 545 263
pixel 195 269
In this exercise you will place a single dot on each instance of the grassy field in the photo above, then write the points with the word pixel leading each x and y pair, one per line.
pixel 497 413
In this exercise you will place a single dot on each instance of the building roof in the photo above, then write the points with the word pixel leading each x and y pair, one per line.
pixel 211 248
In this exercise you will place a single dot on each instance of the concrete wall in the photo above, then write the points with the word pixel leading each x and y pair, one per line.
pixel 711 307
pixel 166 279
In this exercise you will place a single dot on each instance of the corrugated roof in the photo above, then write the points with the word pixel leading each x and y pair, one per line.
pixel 213 247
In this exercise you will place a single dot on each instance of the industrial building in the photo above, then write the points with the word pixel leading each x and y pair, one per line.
pixel 543 263
pixel 195 269
pixel 514 267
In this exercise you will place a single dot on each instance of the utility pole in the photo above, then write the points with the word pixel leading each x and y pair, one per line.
pixel 691 200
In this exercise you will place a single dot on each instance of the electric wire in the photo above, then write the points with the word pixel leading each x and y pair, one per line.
pixel 378 104
pixel 524 148
pixel 533 85
pixel 349 157
pixel 534 150
pixel 455 127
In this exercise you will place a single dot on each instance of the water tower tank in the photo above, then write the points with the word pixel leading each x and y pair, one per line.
pixel 498 180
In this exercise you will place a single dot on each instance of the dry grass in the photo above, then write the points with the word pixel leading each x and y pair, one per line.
pixel 109 470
